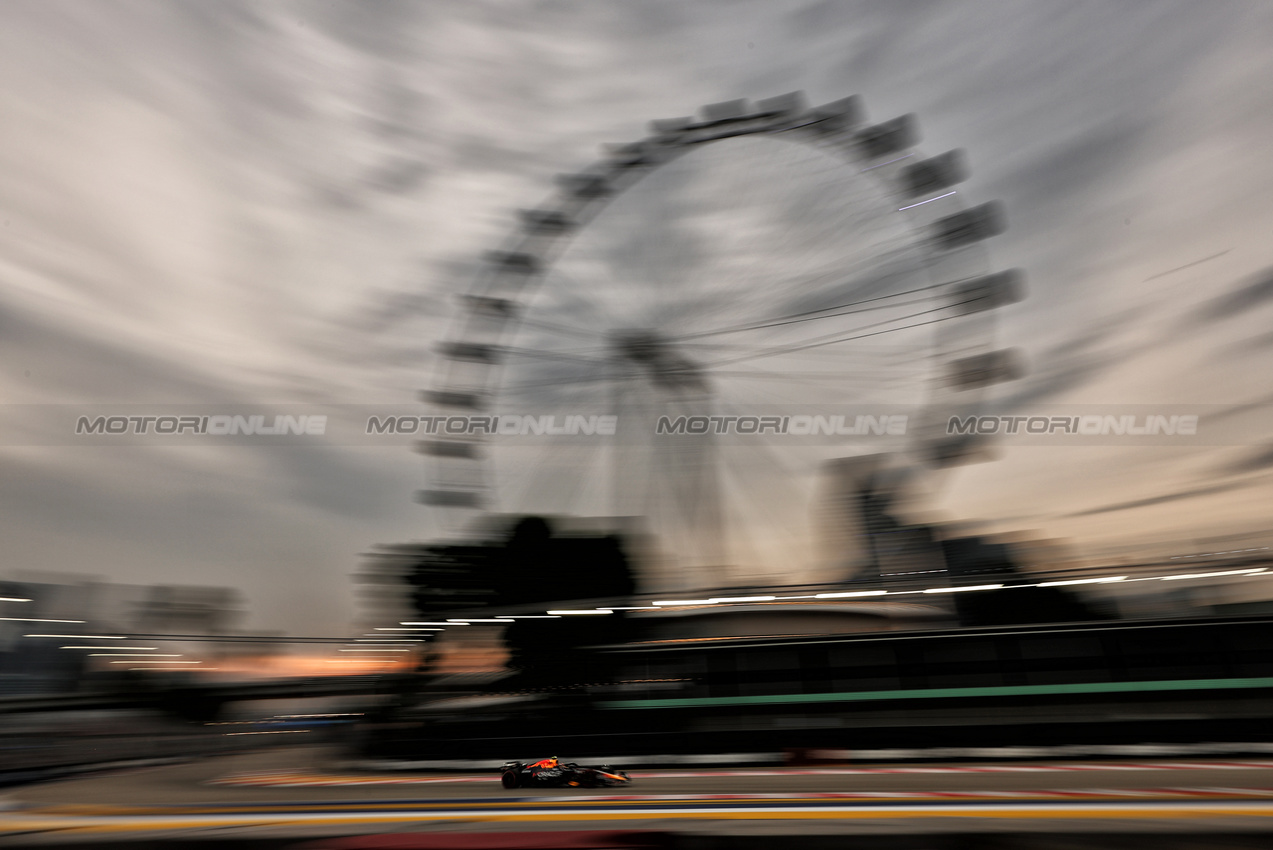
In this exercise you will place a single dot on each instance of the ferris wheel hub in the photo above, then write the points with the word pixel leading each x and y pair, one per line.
pixel 658 358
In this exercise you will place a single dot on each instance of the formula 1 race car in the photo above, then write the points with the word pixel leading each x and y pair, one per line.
pixel 551 773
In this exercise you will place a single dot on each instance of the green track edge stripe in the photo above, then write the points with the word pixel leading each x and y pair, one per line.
pixel 948 693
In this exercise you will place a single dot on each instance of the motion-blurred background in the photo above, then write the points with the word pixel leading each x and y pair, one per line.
pixel 309 209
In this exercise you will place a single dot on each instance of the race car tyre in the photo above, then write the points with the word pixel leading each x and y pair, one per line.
pixel 510 779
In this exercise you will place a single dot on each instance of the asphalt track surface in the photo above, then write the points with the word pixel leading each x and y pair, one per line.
pixel 302 793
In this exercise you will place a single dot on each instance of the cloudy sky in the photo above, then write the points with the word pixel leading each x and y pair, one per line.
pixel 276 203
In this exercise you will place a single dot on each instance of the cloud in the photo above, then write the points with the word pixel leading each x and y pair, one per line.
pixel 1066 366
pixel 244 201
pixel 1255 343
pixel 1193 493
pixel 1250 296
pixel 55 358
pixel 1256 461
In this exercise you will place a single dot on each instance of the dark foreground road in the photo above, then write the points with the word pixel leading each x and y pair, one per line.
pixel 273 799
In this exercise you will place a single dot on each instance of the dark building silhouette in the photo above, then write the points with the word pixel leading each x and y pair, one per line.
pixel 973 560
pixel 533 568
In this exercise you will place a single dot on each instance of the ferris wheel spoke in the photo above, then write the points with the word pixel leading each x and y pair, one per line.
pixel 749 504
pixel 837 389
pixel 585 357
pixel 765 298
pixel 764 463
pixel 835 311
pixel 565 382
pixel 587 309
pixel 832 282
pixel 546 484
pixel 760 374
pixel 772 352
pixel 561 328
pixel 895 353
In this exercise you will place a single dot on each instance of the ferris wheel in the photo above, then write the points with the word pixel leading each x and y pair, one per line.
pixel 677 307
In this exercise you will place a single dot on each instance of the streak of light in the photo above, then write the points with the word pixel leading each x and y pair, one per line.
pixel 1209 554
pixel 81 637
pixel 1103 580
pixel 374 650
pixel 889 162
pixel 921 203
pixel 962 589
pixel 852 593
pixel 1209 575
pixel 108 647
